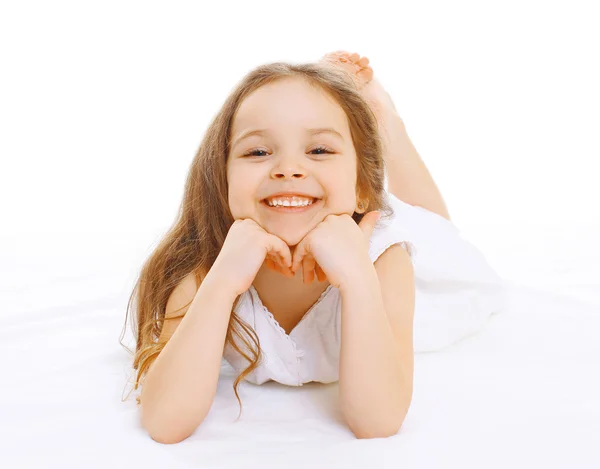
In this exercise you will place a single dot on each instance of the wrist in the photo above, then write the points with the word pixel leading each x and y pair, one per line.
pixel 219 286
pixel 359 278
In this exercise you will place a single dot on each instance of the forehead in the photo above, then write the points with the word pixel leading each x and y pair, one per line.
pixel 289 103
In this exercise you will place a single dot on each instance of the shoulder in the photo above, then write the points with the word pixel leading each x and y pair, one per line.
pixel 396 258
pixel 391 231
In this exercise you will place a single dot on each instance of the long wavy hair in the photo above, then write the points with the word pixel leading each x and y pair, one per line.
pixel 194 241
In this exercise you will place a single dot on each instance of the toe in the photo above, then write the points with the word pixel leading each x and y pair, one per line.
pixel 363 62
pixel 354 57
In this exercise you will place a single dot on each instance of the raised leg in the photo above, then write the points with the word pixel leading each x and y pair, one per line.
pixel 408 176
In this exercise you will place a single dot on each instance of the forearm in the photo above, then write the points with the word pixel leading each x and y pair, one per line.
pixel 407 175
pixel 180 386
pixel 375 390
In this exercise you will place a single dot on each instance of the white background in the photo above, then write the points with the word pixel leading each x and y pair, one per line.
pixel 102 108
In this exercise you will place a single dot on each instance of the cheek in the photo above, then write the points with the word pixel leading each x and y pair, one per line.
pixel 342 198
pixel 237 200
pixel 342 184
pixel 241 194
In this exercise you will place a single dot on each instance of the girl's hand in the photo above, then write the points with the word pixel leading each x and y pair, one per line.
pixel 245 249
pixel 335 248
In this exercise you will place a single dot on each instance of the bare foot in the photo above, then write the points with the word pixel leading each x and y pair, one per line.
pixel 379 100
pixel 362 74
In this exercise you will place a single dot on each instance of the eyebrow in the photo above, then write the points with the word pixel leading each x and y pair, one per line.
pixel 320 130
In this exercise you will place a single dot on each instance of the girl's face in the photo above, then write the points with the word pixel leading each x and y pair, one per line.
pixel 278 145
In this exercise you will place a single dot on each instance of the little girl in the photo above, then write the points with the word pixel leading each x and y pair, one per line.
pixel 292 262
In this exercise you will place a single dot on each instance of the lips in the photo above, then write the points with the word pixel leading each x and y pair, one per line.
pixel 291 208
pixel 312 199
pixel 290 195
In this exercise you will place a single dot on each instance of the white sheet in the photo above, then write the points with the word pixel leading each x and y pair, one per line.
pixel 522 392
pixel 101 110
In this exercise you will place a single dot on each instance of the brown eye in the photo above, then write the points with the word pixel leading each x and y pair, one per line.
pixel 254 152
pixel 325 150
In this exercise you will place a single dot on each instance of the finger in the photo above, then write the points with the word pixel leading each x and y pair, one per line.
pixel 277 266
pixel 271 265
pixel 273 258
pixel 277 263
pixel 320 274
pixel 299 254
pixel 308 268
pixel 279 247
pixel 282 267
pixel 367 224
pixel 286 255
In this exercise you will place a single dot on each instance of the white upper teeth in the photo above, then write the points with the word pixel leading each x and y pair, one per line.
pixel 290 202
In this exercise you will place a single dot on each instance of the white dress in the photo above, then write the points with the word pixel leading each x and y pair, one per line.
pixel 456 291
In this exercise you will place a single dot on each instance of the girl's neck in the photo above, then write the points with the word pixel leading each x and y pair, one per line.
pixel 272 285
pixel 287 299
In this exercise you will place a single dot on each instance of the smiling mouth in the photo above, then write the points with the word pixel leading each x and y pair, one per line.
pixel 291 208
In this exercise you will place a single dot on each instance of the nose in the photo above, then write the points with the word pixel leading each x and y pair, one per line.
pixel 288 174
pixel 288 169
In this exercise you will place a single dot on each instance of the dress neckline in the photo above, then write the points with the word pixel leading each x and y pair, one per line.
pixel 274 321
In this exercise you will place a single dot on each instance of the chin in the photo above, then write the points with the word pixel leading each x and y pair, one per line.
pixel 289 237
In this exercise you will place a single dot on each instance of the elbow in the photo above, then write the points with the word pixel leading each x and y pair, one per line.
pixel 167 433
pixel 384 427
pixel 167 439
pixel 376 431
pixel 167 436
